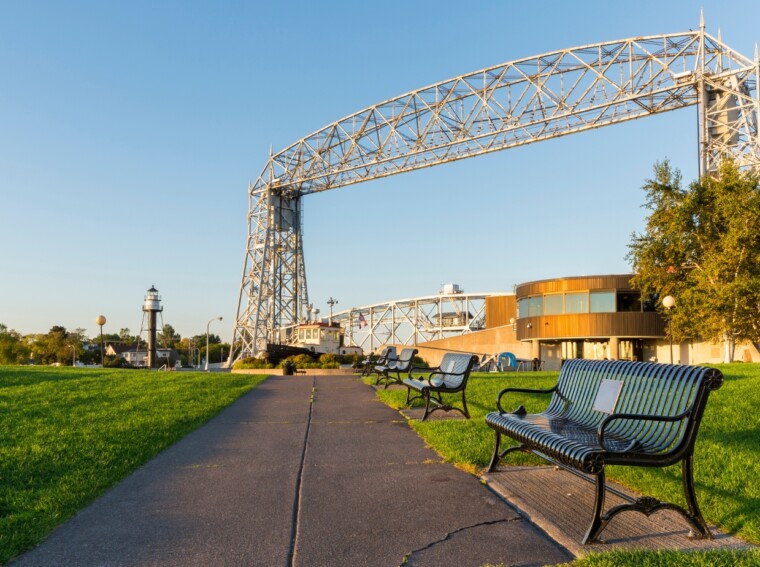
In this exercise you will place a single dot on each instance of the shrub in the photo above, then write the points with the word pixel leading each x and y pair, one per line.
pixel 329 361
pixel 252 363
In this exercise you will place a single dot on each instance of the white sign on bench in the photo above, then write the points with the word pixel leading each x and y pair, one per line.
pixel 607 395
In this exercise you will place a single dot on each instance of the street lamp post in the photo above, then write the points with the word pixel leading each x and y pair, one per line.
pixel 73 355
pixel 101 320
pixel 331 302
pixel 668 302
pixel 207 328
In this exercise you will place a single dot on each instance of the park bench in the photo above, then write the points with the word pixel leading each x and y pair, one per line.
pixel 372 360
pixel 397 365
pixel 450 377
pixel 605 412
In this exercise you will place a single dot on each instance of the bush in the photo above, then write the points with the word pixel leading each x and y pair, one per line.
pixel 116 362
pixel 329 361
pixel 251 363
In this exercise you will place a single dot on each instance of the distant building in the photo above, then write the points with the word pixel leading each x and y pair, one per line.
pixel 322 338
pixel 139 357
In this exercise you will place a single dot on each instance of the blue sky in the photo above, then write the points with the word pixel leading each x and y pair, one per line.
pixel 129 132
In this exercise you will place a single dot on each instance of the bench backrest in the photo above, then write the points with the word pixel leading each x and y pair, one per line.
pixel 454 369
pixel 388 352
pixel 404 360
pixel 647 388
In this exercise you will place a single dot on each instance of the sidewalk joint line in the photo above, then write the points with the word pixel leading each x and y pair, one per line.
pixel 299 479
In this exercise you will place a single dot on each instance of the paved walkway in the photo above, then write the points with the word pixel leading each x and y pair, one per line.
pixel 304 470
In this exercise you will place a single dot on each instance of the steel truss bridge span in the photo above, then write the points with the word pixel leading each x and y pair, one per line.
pixel 414 321
pixel 501 107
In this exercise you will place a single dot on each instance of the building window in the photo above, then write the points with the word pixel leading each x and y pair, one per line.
pixel 534 306
pixel 522 307
pixel 576 302
pixel 602 302
pixel 628 301
pixel 553 304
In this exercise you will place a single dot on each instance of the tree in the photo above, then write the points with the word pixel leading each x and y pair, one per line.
pixel 702 246
pixel 13 348
pixel 125 337
pixel 168 336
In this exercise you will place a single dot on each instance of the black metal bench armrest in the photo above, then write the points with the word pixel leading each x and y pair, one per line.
pixel 439 373
pixel 636 416
pixel 521 391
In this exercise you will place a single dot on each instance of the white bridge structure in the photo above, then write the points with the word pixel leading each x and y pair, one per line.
pixel 414 321
pixel 520 102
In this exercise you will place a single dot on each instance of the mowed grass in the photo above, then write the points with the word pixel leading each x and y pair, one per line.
pixel 66 435
pixel 727 454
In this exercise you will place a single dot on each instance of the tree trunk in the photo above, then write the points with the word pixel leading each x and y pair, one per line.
pixel 729 345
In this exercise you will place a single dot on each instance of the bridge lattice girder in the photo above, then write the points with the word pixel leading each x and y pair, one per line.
pixel 520 102
pixel 413 321
pixel 512 104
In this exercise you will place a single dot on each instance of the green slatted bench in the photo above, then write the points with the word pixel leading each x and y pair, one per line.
pixel 397 365
pixel 450 377
pixel 608 412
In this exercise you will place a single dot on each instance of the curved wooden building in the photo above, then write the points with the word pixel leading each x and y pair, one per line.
pixel 587 317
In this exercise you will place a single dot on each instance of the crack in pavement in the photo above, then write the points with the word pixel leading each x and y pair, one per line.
pixel 450 534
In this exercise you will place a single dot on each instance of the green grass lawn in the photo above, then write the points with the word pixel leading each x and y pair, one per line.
pixel 68 434
pixel 727 454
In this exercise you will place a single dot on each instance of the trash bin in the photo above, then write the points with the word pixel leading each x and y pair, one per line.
pixel 289 368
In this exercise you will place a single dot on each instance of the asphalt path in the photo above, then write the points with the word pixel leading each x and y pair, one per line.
pixel 301 471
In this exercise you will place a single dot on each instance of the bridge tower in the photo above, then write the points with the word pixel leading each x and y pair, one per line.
pixel 273 294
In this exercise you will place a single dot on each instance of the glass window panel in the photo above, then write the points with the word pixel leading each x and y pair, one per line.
pixel 602 302
pixel 522 307
pixel 553 304
pixel 576 302
pixel 628 301
pixel 534 306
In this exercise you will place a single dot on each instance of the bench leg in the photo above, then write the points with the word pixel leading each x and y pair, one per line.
pixel 464 405
pixel 391 379
pixel 426 395
pixel 495 457
pixel 695 518
pixel 597 525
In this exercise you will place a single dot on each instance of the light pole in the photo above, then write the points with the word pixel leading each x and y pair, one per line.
pixel 73 355
pixel 207 326
pixel 331 302
pixel 101 320
pixel 668 302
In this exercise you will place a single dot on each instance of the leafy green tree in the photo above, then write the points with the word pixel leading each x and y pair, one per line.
pixel 702 246
pixel 217 352
pixel 125 337
pixel 168 336
pixel 13 347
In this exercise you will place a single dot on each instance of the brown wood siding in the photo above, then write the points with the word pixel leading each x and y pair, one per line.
pixel 583 283
pixel 592 325
pixel 499 310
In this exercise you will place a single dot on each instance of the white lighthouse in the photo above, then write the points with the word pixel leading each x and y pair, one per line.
pixel 152 306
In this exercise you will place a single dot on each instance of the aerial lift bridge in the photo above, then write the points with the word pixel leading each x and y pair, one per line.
pixel 520 102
